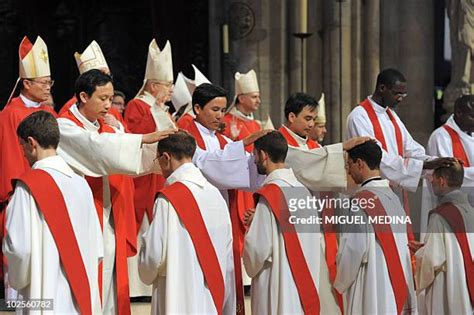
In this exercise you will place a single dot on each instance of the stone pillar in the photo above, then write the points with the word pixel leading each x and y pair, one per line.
pixel 371 29
pixel 337 60
pixel 416 63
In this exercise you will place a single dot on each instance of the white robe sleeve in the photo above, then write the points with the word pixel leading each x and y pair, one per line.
pixel 154 242
pixel 318 168
pixel 352 253
pixel 225 169
pixel 94 154
pixel 258 245
pixel 405 172
pixel 431 258
pixel 17 242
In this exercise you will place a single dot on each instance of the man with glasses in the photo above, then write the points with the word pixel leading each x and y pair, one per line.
pixel 33 87
pixel 147 113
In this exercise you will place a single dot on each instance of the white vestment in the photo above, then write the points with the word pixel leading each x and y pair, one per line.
pixel 440 271
pixel 401 171
pixel 273 287
pixel 440 144
pixel 96 154
pixel 362 272
pixel 317 169
pixel 168 258
pixel 34 266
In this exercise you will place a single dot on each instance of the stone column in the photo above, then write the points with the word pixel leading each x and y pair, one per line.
pixel 371 29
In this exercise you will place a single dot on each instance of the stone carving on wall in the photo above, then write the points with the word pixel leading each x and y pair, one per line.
pixel 242 20
pixel 461 22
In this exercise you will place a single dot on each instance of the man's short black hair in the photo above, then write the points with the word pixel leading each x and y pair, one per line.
pixel 89 81
pixel 388 77
pixel 453 174
pixel 119 93
pixel 41 126
pixel 274 144
pixel 296 102
pixel 464 104
pixel 205 93
pixel 179 145
pixel 369 152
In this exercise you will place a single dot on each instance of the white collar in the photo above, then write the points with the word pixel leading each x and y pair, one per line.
pixel 29 103
pixel 384 183
pixel 234 111
pixel 188 173
pixel 147 98
pixel 283 174
pixel 456 197
pixel 452 123
pixel 88 125
pixel 56 163
pixel 300 140
pixel 378 108
pixel 204 130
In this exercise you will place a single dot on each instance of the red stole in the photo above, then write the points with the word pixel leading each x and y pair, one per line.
pixel 185 121
pixel 189 213
pixel 453 216
pixel 51 203
pixel 236 215
pixel 458 148
pixel 121 195
pixel 386 240
pixel 378 132
pixel 305 286
pixel 65 108
pixel 292 141
pixel 330 239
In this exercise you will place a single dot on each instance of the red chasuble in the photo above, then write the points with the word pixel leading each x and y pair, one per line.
pixel 237 211
pixel 139 120
pixel 246 127
pixel 386 240
pixel 458 148
pixel 305 286
pixel 51 203
pixel 121 195
pixel 184 121
pixel 453 216
pixel 189 213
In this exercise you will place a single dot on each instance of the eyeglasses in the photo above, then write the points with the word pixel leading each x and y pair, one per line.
pixel 43 83
pixel 166 84
pixel 399 94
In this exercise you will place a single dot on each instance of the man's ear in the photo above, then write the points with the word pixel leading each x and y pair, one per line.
pixel 167 156
pixel 197 108
pixel 83 97
pixel 291 117
pixel 32 142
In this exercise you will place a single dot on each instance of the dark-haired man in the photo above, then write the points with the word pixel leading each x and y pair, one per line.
pixel 95 149
pixel 285 271
pixel 454 138
pixel 223 162
pixel 373 264
pixel 319 168
pixel 445 268
pixel 187 251
pixel 54 241
pixel 403 159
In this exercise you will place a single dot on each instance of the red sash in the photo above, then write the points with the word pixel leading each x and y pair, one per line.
pixel 330 239
pixel 292 141
pixel 51 203
pixel 121 195
pixel 238 229
pixel 451 214
pixel 307 291
pixel 458 148
pixel 378 132
pixel 386 240
pixel 189 213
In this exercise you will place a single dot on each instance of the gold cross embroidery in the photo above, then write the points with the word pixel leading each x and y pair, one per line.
pixel 44 56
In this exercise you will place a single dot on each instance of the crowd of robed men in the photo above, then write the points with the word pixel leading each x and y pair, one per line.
pixel 205 192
